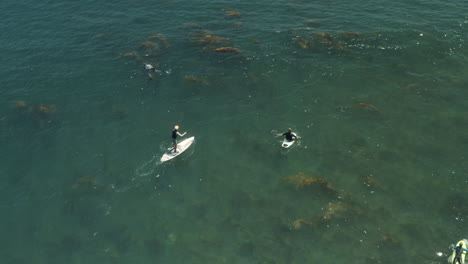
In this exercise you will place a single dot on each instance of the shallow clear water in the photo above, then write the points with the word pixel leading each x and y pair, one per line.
pixel 82 128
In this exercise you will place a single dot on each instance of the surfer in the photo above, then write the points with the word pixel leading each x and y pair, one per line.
pixel 149 67
pixel 290 136
pixel 175 133
pixel 458 253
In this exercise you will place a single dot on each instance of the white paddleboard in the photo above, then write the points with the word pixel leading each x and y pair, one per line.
pixel 286 143
pixel 181 147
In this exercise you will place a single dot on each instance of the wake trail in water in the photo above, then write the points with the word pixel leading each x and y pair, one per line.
pixel 151 167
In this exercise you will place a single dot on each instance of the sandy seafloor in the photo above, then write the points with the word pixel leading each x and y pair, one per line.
pixel 376 89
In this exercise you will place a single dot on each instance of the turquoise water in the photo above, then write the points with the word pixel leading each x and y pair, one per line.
pixel 82 128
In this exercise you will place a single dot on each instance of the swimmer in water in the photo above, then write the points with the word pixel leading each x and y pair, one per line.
pixel 290 136
pixel 149 67
pixel 459 251
pixel 175 133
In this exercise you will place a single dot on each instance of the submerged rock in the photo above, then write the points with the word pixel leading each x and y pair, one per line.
pixel 149 44
pixel 300 222
pixel 210 39
pixel 302 42
pixel 300 180
pixel 228 50
pixel 20 105
pixel 196 80
pixel 366 106
pixel 231 13
pixel 43 111
pixel 161 38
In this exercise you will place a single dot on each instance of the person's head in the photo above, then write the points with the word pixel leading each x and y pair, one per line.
pixel 289 129
pixel 176 127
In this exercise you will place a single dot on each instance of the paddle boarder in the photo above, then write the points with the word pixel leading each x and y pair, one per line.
pixel 289 135
pixel 458 254
pixel 175 133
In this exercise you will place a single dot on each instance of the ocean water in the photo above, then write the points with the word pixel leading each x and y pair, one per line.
pixel 376 89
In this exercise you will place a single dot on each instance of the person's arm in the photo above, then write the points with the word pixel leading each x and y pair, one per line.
pixel 462 248
pixel 280 134
pixel 179 134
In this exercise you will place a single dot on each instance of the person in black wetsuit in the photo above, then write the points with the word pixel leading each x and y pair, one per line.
pixel 458 254
pixel 175 133
pixel 289 135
